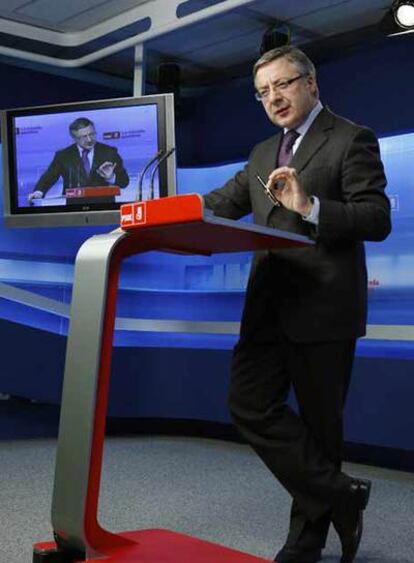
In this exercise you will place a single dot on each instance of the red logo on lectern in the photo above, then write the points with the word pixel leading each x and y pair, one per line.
pixel 126 215
pixel 140 215
pixel 133 214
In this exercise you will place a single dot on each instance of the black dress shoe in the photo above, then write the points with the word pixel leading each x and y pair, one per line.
pixel 347 517
pixel 293 555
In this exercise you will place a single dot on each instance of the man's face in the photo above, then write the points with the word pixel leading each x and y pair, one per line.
pixel 289 105
pixel 85 138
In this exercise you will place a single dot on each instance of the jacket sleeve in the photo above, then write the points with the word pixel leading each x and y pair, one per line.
pixel 363 213
pixel 121 175
pixel 50 176
pixel 233 199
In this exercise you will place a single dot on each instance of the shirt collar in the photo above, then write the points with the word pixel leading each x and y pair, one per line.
pixel 303 128
pixel 80 150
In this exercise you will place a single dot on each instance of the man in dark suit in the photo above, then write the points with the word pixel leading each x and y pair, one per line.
pixel 305 307
pixel 84 163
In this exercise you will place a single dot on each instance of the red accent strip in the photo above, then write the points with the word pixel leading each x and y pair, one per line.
pixel 98 191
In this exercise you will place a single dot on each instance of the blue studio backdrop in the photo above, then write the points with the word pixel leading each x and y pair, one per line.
pixel 160 371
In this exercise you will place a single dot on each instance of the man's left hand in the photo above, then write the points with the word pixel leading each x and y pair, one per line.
pixel 106 170
pixel 285 186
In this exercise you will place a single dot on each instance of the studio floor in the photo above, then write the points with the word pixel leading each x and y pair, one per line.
pixel 218 491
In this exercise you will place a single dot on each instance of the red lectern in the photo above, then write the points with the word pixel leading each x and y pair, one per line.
pixel 168 224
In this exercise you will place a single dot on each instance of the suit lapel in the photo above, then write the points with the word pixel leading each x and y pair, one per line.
pixel 74 153
pixel 270 158
pixel 266 165
pixel 78 164
pixel 316 136
pixel 96 158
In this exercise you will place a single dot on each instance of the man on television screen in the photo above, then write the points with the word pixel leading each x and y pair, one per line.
pixel 84 163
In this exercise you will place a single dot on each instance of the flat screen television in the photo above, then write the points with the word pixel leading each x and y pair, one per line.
pixel 76 163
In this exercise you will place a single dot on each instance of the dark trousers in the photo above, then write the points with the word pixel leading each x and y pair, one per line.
pixel 304 451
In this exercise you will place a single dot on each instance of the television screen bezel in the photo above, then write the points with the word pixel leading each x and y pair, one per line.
pixel 55 216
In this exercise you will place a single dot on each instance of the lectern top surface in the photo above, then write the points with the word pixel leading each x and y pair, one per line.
pixel 182 223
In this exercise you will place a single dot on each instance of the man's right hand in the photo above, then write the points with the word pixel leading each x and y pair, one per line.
pixel 34 195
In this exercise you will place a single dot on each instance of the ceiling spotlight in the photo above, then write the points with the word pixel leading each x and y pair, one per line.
pixel 276 35
pixel 404 13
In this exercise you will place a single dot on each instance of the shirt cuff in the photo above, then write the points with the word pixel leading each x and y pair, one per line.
pixel 313 216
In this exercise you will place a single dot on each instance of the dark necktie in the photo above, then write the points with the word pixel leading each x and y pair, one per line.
pixel 85 161
pixel 286 152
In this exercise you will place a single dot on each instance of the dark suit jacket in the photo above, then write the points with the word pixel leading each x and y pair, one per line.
pixel 317 293
pixel 67 164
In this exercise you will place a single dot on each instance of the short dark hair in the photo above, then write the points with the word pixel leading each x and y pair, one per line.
pixel 80 123
pixel 292 54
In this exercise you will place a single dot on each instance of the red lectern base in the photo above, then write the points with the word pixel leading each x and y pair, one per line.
pixel 154 546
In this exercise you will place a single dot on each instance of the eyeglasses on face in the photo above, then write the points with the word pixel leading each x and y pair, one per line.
pixel 280 86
